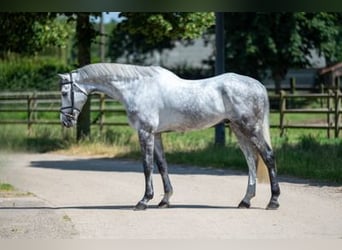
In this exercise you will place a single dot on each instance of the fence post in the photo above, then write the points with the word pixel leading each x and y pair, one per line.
pixel 337 112
pixel 321 87
pixel 330 93
pixel 337 106
pixel 102 107
pixel 29 112
pixel 290 102
pixel 282 111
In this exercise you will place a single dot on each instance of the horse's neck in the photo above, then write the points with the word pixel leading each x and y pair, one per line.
pixel 114 89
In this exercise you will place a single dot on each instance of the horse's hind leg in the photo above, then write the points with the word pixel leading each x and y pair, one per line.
pixel 251 158
pixel 162 167
pixel 268 157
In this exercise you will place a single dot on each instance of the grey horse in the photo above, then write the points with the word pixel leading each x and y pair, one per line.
pixel 156 101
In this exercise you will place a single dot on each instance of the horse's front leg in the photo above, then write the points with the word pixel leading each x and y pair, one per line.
pixel 162 167
pixel 146 140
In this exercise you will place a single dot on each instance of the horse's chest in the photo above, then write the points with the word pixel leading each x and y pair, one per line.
pixel 142 114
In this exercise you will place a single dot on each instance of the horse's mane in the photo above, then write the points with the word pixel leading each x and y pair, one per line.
pixel 118 71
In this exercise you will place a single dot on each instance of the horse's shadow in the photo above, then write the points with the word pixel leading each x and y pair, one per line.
pixel 125 207
pixel 122 165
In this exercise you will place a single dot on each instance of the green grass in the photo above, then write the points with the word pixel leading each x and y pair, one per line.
pixel 301 153
pixel 7 190
pixel 312 158
pixel 40 139
pixel 6 187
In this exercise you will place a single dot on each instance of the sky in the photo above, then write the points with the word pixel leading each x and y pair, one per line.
pixel 109 16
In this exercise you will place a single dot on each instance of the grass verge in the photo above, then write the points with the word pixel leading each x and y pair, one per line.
pixel 5 187
pixel 7 190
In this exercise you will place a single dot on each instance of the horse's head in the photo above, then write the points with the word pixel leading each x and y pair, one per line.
pixel 73 97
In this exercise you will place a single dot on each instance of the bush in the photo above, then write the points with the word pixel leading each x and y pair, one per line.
pixel 31 74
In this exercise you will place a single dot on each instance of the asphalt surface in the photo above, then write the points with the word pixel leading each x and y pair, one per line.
pixel 89 197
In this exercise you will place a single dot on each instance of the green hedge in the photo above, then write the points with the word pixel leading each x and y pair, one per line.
pixel 29 74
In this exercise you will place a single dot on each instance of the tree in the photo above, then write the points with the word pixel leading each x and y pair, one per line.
pixel 220 134
pixel 339 38
pixel 85 35
pixel 29 33
pixel 257 42
pixel 141 33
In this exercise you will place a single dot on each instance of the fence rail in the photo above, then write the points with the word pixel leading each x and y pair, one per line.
pixel 330 106
pixel 31 104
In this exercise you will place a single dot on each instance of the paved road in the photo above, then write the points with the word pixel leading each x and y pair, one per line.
pixel 79 197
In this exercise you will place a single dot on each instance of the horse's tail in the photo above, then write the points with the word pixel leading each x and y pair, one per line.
pixel 262 171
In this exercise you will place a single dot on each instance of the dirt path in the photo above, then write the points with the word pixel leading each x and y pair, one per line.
pixel 79 197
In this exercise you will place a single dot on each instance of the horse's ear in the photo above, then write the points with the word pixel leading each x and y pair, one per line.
pixel 62 76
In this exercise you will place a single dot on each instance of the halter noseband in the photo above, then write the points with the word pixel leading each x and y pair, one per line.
pixel 72 98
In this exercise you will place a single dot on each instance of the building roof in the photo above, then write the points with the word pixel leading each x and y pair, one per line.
pixel 335 68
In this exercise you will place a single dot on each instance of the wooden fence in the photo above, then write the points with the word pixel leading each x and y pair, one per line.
pixel 30 106
pixel 328 104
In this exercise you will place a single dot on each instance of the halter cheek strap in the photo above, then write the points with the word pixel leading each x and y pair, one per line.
pixel 72 99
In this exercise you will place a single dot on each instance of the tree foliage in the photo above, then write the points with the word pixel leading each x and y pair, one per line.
pixel 141 33
pixel 85 35
pixel 339 38
pixel 28 33
pixel 256 42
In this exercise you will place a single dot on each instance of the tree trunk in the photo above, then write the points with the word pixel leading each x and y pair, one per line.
pixel 220 133
pixel 84 33
pixel 277 77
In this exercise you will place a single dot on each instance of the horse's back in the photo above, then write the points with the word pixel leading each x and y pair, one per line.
pixel 242 82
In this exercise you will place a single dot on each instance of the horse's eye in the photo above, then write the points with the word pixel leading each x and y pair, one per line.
pixel 64 93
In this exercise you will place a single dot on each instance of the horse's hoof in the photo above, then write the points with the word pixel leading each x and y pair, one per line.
pixel 164 204
pixel 140 206
pixel 244 204
pixel 273 205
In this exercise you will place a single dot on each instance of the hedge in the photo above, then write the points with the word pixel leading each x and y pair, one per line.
pixel 31 74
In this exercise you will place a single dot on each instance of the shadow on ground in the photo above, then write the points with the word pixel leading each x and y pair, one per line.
pixel 122 165
pixel 123 207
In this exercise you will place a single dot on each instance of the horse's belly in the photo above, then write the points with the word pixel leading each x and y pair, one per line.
pixel 192 112
pixel 187 122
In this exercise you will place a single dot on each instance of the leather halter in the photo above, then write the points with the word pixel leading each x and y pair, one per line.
pixel 72 107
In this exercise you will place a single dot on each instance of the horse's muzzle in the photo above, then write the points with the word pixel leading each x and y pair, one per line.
pixel 68 120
